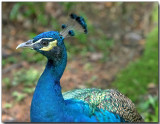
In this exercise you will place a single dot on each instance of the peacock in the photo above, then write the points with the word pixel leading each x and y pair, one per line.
pixel 79 105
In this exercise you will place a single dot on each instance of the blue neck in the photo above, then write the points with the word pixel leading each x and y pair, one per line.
pixel 47 99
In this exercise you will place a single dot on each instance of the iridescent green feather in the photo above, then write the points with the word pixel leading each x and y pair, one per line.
pixel 111 100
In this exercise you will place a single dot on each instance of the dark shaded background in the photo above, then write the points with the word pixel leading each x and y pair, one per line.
pixel 119 52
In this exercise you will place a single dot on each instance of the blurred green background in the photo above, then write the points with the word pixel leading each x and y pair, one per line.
pixel 120 52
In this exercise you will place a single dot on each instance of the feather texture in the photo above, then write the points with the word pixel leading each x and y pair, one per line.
pixel 111 100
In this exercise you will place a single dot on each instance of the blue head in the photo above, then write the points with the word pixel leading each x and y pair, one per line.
pixel 51 43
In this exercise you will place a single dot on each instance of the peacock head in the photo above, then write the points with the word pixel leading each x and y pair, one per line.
pixel 50 43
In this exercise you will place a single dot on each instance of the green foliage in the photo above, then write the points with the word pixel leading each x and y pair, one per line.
pixel 90 44
pixel 155 13
pixel 14 11
pixel 27 53
pixel 10 60
pixel 82 38
pixel 18 96
pixel 55 24
pixel 88 66
pixel 89 83
pixel 28 78
pixel 141 72
pixel 28 90
pixel 7 82
pixel 31 34
pixel 68 5
pixel 72 50
pixel 29 9
pixel 3 62
pixel 134 80
pixel 93 78
pixel 145 108
pixel 8 105
pixel 102 44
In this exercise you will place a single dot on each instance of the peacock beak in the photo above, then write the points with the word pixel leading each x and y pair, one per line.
pixel 29 44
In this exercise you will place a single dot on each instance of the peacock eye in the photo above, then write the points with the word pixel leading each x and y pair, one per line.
pixel 44 43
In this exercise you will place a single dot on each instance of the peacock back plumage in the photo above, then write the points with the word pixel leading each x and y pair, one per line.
pixel 111 100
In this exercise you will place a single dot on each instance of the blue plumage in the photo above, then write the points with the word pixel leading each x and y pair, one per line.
pixel 83 105
pixel 49 34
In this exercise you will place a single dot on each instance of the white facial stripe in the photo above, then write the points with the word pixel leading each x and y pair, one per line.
pixel 38 41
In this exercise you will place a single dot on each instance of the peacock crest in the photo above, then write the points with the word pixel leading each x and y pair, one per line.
pixel 74 23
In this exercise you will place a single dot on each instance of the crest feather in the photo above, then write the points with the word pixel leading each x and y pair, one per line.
pixel 75 23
